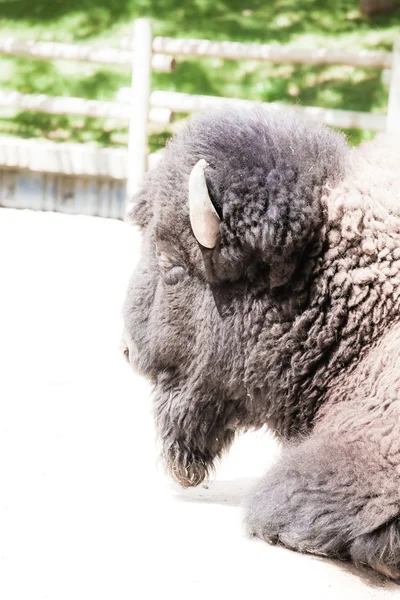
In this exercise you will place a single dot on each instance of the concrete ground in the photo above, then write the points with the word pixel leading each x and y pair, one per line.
pixel 85 510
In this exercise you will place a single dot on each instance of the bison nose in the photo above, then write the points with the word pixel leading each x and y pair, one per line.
pixel 124 347
pixel 128 349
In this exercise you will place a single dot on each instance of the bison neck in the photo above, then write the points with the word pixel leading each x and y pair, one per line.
pixel 293 368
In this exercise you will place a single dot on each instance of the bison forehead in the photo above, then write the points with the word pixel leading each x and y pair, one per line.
pixel 244 149
pixel 265 176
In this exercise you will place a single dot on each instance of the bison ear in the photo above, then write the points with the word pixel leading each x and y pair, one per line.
pixel 204 219
pixel 280 272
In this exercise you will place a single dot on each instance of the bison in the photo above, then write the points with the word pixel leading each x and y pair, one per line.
pixel 267 294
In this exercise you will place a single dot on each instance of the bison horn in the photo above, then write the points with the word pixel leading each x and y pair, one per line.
pixel 204 218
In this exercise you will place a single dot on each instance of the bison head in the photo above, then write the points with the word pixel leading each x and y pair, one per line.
pixel 232 223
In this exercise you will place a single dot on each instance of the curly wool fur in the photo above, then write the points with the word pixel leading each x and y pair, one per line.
pixel 290 321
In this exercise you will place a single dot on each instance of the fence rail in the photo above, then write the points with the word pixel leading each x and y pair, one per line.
pixel 271 53
pixel 80 53
pixel 78 160
pixel 188 103
pixel 393 119
pixel 157 117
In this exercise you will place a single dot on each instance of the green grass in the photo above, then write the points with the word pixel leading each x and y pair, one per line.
pixel 307 23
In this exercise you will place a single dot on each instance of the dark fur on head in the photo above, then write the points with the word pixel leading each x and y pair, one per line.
pixel 195 336
pixel 278 324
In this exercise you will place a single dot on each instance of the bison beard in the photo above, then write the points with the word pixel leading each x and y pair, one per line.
pixel 192 438
pixel 268 293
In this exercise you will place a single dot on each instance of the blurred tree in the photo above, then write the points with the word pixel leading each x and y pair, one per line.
pixel 370 7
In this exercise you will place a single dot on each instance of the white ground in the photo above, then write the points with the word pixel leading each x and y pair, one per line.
pixel 85 512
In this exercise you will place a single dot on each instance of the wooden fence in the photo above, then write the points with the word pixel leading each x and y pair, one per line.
pixel 78 169
pixel 143 100
pixel 70 178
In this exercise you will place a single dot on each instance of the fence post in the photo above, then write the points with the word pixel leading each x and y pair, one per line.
pixel 393 115
pixel 141 88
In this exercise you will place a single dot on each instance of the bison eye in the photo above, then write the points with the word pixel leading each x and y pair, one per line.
pixel 174 275
pixel 171 272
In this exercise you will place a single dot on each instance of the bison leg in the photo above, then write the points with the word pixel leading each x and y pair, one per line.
pixel 379 549
pixel 336 494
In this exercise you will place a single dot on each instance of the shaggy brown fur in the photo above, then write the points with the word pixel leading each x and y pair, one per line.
pixel 292 321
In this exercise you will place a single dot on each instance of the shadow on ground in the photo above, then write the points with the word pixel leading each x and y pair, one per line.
pixel 226 492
